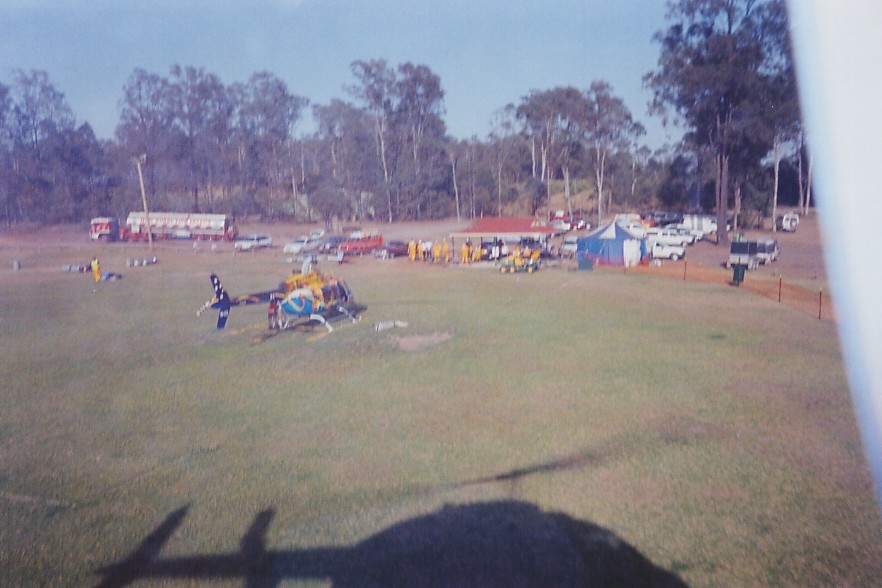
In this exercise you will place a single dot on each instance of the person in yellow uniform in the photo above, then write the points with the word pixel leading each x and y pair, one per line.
pixel 476 253
pixel 436 252
pixel 96 269
pixel 464 254
pixel 411 250
pixel 445 251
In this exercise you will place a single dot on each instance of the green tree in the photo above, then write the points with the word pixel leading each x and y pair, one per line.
pixel 710 74
pixel 609 127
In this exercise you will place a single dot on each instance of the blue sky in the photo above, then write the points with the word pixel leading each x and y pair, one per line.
pixel 488 53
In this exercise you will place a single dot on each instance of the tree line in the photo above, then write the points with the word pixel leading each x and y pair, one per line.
pixel 724 74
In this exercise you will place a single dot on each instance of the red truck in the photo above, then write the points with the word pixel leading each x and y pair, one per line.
pixel 360 243
pixel 165 225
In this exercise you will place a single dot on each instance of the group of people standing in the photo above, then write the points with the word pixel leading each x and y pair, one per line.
pixel 431 251
pixel 442 251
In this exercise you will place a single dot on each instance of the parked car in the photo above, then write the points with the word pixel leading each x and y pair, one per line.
pixel 329 244
pixel 562 220
pixel 569 246
pixel 663 251
pixel 302 244
pixel 360 243
pixel 687 233
pixel 391 250
pixel 251 242
pixel 787 222
pixel 660 218
pixel 667 237
pixel 743 253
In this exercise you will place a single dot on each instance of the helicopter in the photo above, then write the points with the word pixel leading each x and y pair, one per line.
pixel 304 297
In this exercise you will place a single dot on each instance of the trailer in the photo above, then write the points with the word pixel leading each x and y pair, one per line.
pixel 179 225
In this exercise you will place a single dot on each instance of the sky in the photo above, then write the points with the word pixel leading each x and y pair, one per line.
pixel 487 53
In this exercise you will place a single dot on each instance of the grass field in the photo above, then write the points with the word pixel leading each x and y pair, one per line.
pixel 706 427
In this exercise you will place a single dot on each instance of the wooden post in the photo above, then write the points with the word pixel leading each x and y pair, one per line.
pixel 780 280
pixel 684 269
pixel 820 301
pixel 138 163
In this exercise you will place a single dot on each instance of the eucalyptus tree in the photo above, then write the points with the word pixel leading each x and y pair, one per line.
pixel 267 114
pixel 609 127
pixel 509 148
pixel 710 73
pixel 419 106
pixel 783 113
pixel 405 106
pixel 6 191
pixel 343 165
pixel 375 90
pixel 198 100
pixel 38 119
pixel 539 113
pixel 146 123
pixel 419 124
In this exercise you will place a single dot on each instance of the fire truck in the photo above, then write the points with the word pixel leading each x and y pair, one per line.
pixel 166 225
pixel 104 228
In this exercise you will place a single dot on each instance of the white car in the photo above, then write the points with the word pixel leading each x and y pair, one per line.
pixel 302 244
pixel 663 251
pixel 687 233
pixel 668 237
pixel 569 246
pixel 251 242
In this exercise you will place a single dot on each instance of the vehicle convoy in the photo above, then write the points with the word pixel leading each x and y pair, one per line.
pixel 164 225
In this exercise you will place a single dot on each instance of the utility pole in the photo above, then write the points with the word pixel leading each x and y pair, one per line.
pixel 138 161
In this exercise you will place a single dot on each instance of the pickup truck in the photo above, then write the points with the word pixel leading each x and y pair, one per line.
pixel 664 251
pixel 361 243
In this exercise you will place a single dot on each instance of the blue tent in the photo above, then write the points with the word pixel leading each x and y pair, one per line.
pixel 611 245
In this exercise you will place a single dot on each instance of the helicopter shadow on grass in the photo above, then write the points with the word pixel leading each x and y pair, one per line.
pixel 497 543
